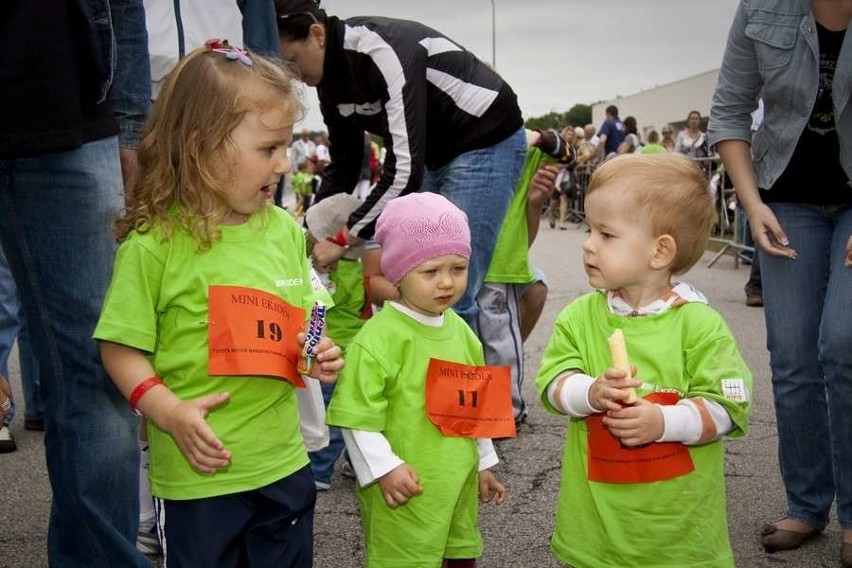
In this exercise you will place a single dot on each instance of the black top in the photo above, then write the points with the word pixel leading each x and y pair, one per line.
pixel 817 152
pixel 429 98
pixel 49 79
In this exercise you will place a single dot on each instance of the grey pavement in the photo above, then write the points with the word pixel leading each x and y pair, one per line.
pixel 518 533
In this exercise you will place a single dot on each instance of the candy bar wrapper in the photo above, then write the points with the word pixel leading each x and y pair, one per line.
pixel 313 335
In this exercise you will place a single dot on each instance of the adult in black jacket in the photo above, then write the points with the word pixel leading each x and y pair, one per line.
pixel 450 124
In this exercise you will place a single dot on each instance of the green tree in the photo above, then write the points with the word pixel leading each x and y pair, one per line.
pixel 578 115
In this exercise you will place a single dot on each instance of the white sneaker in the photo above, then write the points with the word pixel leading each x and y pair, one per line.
pixel 7 441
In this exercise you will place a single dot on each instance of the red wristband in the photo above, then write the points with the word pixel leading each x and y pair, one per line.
pixel 140 390
pixel 339 239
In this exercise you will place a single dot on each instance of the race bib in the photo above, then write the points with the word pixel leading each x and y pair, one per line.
pixel 610 462
pixel 469 401
pixel 251 332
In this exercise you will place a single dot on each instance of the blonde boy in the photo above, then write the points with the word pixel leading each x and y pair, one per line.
pixel 643 484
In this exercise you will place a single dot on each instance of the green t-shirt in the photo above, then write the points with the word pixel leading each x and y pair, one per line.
pixel 344 319
pixel 652 149
pixel 157 303
pixel 382 389
pixel 302 183
pixel 665 524
pixel 510 262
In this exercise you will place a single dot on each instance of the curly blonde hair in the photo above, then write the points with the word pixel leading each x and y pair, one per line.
pixel 187 155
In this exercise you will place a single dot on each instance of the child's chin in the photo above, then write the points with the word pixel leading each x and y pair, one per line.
pixel 596 281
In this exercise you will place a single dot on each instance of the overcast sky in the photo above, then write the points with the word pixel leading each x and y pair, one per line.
pixel 558 53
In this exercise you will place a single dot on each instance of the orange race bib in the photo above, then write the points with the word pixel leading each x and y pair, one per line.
pixel 251 332
pixel 469 401
pixel 610 462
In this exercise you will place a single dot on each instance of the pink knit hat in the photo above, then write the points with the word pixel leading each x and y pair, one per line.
pixel 419 227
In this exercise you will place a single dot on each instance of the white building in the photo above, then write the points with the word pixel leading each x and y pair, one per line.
pixel 666 104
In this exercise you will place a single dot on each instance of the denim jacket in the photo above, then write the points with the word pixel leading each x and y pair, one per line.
pixel 120 49
pixel 773 45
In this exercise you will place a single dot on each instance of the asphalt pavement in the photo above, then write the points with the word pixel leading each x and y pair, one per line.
pixel 516 534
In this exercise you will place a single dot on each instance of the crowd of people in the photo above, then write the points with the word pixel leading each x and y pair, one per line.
pixel 591 148
pixel 380 324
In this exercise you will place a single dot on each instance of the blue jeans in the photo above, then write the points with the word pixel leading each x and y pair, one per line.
pixel 56 216
pixel 808 306
pixel 322 461
pixel 13 324
pixel 481 183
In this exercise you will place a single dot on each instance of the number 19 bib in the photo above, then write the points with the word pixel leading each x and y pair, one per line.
pixel 252 332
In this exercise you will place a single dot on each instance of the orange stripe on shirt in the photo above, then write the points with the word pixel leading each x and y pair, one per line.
pixel 708 427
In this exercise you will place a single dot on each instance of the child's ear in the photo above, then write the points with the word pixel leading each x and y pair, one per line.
pixel 665 251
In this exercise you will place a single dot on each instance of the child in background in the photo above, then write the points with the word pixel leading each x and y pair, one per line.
pixel 643 484
pixel 653 146
pixel 201 325
pixel 303 186
pixel 345 318
pixel 510 273
pixel 418 477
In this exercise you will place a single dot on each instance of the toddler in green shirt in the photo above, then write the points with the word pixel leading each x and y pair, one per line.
pixel 643 483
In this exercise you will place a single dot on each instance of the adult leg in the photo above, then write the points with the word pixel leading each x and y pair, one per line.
pixel 56 214
pixel 563 209
pixel 30 379
pixel 9 314
pixel 13 324
pixel 322 461
pixel 836 359
pixel 9 326
pixel 481 183
pixel 754 286
pixel 794 296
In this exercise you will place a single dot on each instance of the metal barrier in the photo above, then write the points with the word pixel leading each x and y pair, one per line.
pixel 726 232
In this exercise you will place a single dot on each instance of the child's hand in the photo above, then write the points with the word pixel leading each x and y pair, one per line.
pixel 542 185
pixel 328 359
pixel 489 487
pixel 608 391
pixel 187 426
pixel 641 423
pixel 399 485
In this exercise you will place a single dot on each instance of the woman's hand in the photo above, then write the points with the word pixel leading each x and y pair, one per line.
pixel 849 252
pixel 767 232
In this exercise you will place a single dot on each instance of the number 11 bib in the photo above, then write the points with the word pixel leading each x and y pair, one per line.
pixel 470 401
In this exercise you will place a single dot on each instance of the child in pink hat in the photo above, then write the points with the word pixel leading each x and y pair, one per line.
pixel 419 476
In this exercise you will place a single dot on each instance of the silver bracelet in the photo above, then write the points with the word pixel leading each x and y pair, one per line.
pixel 6 404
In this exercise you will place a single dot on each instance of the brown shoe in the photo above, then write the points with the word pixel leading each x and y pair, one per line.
pixel 846 555
pixel 774 539
pixel 754 300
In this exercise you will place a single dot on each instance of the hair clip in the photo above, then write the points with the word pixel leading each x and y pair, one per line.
pixel 232 53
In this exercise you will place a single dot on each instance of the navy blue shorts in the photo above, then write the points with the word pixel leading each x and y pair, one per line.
pixel 270 526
